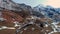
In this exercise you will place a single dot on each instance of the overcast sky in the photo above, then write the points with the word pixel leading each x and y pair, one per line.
pixel 54 3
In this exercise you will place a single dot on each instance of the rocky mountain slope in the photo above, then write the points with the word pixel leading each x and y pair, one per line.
pixel 27 20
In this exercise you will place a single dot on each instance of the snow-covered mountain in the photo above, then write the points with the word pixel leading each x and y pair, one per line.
pixel 48 15
pixel 48 11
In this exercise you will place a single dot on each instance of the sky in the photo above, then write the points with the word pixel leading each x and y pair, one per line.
pixel 30 2
pixel 33 3
pixel 54 3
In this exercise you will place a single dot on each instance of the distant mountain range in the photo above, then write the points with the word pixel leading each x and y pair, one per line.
pixel 48 11
pixel 39 11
